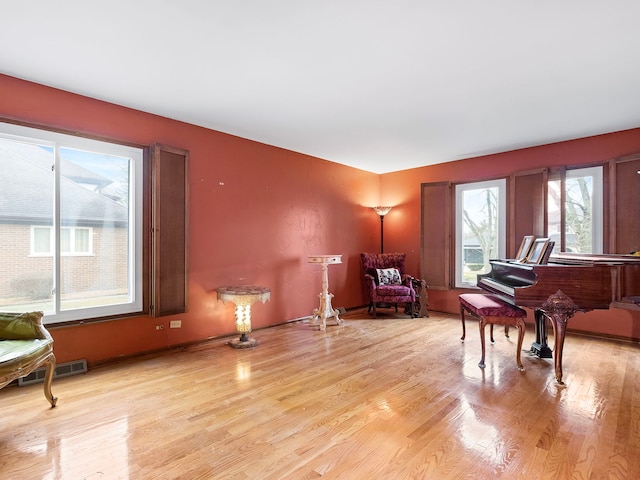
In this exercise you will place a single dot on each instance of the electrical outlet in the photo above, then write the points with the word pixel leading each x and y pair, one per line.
pixel 159 327
pixel 175 324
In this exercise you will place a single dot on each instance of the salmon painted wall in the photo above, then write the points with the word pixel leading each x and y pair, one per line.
pixel 256 213
pixel 403 189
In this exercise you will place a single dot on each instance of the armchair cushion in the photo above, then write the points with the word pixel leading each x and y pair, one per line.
pixel 388 276
pixel 394 291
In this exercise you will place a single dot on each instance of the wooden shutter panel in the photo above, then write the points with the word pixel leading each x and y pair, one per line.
pixel 527 207
pixel 169 229
pixel 436 235
pixel 624 223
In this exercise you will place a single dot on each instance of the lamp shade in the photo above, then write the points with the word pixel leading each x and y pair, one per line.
pixel 382 211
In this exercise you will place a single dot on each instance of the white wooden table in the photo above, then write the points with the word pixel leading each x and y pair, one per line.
pixel 325 310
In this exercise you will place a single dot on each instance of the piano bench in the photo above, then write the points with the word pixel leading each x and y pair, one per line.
pixel 490 309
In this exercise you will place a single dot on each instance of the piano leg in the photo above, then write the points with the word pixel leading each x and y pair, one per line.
pixel 559 329
pixel 540 348
pixel 559 308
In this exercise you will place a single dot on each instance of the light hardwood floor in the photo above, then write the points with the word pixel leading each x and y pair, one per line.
pixel 391 398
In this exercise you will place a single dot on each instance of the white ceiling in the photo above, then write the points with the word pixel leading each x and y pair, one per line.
pixel 378 85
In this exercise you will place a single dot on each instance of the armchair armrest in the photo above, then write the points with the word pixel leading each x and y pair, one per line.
pixel 407 280
pixel 369 282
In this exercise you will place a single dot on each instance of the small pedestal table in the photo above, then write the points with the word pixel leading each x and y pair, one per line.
pixel 325 310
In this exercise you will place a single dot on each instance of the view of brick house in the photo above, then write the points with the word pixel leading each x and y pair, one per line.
pixel 93 233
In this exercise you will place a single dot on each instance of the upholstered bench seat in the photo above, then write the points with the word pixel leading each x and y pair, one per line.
pixel 490 309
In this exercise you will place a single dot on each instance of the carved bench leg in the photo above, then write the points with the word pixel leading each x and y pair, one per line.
pixel 48 378
pixel 518 322
pixel 506 332
pixel 521 326
pixel 483 322
pixel 464 328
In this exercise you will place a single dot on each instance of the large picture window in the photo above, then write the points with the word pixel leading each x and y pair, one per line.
pixel 480 228
pixel 575 211
pixel 70 225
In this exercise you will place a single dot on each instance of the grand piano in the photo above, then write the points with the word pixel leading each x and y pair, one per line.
pixel 567 284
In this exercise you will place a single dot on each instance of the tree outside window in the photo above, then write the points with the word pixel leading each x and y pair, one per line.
pixel 480 228
pixel 582 211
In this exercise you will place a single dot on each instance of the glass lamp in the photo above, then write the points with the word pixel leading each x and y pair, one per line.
pixel 243 297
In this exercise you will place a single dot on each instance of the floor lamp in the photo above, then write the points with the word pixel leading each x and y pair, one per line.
pixel 382 211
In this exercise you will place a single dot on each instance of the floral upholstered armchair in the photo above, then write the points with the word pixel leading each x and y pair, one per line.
pixel 387 281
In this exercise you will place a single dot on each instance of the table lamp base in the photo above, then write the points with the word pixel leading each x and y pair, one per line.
pixel 243 342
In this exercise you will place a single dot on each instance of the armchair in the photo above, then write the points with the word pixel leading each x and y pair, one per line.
pixel 388 286
pixel 25 344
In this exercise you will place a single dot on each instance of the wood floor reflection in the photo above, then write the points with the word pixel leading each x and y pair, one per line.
pixel 392 398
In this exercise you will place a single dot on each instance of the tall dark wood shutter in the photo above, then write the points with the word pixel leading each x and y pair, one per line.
pixel 169 230
pixel 436 235
pixel 624 222
pixel 527 207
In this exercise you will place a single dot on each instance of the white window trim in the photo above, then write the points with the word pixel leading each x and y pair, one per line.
pixel 55 139
pixel 597 199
